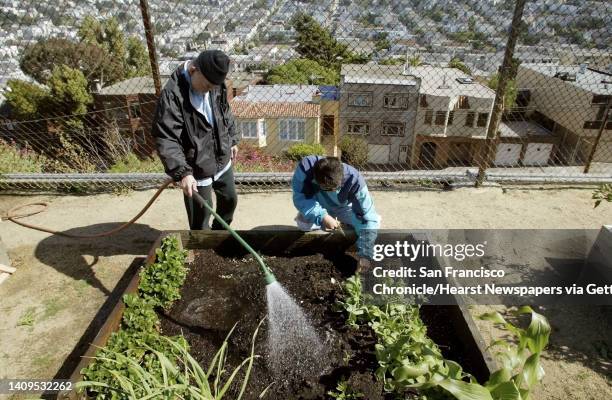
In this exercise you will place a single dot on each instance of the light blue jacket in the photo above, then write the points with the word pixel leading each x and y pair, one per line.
pixel 353 196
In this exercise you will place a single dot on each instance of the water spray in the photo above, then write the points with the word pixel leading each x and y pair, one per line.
pixel 268 275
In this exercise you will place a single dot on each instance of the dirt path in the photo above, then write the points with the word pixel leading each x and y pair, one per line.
pixel 61 284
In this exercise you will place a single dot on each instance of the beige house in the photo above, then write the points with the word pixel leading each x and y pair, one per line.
pixel 452 118
pixel 571 102
pixel 276 117
pixel 378 103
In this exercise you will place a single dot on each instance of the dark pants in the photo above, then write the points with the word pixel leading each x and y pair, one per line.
pixel 225 193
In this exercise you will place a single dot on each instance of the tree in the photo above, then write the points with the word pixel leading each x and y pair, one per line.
pixel 511 90
pixel 137 59
pixel 39 59
pixel 316 43
pixel 25 99
pixel 91 31
pixel 114 40
pixel 303 71
pixel 457 63
pixel 68 95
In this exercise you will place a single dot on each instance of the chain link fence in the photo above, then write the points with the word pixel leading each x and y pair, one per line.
pixel 405 90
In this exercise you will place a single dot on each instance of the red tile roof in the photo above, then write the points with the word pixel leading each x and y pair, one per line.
pixel 248 109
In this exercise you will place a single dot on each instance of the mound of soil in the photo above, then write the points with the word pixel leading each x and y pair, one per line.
pixel 220 292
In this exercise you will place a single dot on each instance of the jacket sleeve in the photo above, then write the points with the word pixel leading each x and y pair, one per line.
pixel 365 220
pixel 309 207
pixel 167 129
pixel 232 130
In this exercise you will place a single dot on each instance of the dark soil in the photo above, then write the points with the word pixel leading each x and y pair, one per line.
pixel 220 292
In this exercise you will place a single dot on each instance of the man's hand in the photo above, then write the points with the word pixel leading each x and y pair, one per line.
pixel 234 152
pixel 363 265
pixel 189 184
pixel 330 222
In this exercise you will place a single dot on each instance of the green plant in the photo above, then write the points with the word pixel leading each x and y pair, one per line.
pixel 131 163
pixel 27 318
pixel 409 359
pixel 604 192
pixel 160 282
pixel 301 150
pixel 176 374
pixel 354 150
pixel 344 392
pixel 13 160
pixel 139 315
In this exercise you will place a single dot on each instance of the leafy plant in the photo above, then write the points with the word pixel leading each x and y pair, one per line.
pixel 604 192
pixel 131 163
pixel 344 392
pixel 13 160
pixel 301 150
pixel 408 359
pixel 160 282
pixel 139 315
pixel 354 150
pixel 176 376
pixel 28 317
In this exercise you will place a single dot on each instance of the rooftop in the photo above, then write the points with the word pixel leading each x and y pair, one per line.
pixel 589 79
pixel 279 93
pixel 522 129
pixel 254 110
pixel 443 81
pixel 376 74
pixel 141 84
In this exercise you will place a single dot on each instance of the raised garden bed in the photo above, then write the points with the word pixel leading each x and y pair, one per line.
pixel 224 287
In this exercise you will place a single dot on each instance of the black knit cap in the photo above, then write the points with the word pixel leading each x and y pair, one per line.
pixel 214 64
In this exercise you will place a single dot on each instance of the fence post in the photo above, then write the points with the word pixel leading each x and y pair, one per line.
pixel 146 20
pixel 507 69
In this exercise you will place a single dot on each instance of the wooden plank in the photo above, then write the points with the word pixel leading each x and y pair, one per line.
pixel 7 269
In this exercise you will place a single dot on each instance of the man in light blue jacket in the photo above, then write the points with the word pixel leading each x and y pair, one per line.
pixel 327 192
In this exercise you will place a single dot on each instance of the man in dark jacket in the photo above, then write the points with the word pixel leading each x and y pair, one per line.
pixel 196 135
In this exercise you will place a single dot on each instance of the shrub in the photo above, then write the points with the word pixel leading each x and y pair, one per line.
pixel 354 151
pixel 132 163
pixel 301 150
pixel 14 160
pixel 254 159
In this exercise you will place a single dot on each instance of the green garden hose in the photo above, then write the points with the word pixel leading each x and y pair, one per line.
pixel 268 275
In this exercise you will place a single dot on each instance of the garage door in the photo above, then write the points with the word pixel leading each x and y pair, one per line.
pixel 537 154
pixel 508 154
pixel 378 153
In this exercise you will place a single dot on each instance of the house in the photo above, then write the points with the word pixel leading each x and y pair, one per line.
pixel 330 119
pixel 452 119
pixel 571 101
pixel 378 103
pixel 524 143
pixel 130 105
pixel 276 117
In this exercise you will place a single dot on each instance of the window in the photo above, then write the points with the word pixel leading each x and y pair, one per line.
pixel 440 117
pixel 482 119
pixel 292 129
pixel 135 110
pixel 393 129
pixel 592 124
pixel 428 117
pixel 263 127
pixel 451 117
pixel 395 100
pixel 600 99
pixel 423 101
pixel 469 119
pixel 360 99
pixel 358 128
pixel 248 129
pixel 462 103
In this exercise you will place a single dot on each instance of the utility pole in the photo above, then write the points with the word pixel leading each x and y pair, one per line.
pixel 146 20
pixel 506 70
